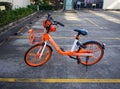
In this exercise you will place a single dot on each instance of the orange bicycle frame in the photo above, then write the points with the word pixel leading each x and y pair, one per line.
pixel 46 37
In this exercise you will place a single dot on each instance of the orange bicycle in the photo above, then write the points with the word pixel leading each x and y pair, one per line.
pixel 88 53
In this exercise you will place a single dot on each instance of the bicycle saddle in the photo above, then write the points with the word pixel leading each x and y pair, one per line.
pixel 81 31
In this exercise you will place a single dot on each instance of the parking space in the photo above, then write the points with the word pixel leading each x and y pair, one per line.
pixel 61 72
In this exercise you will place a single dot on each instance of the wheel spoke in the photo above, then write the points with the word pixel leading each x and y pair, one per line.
pixel 96 50
pixel 94 57
pixel 45 53
pixel 33 60
pixel 32 54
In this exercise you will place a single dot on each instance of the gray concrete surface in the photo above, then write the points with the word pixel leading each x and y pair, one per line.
pixel 103 26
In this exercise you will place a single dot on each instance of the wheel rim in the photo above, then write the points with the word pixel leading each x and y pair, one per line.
pixel 32 57
pixel 97 54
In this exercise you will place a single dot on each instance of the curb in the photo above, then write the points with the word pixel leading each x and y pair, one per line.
pixel 13 27
pixel 12 24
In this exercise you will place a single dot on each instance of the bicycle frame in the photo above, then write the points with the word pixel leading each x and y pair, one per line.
pixel 46 37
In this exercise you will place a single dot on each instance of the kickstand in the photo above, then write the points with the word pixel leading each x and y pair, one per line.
pixel 87 58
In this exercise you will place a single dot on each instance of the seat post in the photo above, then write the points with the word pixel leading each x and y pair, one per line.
pixel 77 36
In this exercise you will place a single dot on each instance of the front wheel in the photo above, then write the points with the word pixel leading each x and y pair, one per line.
pixel 32 56
pixel 94 47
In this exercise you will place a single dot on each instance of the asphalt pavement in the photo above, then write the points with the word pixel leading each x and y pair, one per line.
pixel 61 72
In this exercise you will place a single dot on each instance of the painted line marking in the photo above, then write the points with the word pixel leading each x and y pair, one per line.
pixel 108 46
pixel 22 29
pixel 19 37
pixel 104 38
pixel 111 38
pixel 2 43
pixel 92 22
pixel 59 80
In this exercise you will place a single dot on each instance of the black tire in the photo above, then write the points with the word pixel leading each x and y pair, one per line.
pixel 96 48
pixel 32 57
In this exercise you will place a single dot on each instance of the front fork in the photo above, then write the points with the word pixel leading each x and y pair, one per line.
pixel 41 53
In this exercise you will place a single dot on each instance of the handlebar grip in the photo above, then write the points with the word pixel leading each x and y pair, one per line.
pixel 60 23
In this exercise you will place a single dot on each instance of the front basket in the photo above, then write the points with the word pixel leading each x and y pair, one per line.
pixel 35 36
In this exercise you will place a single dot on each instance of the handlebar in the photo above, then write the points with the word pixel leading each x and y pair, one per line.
pixel 49 17
pixel 59 23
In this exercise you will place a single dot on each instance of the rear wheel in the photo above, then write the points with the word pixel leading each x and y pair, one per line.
pixel 32 55
pixel 91 47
